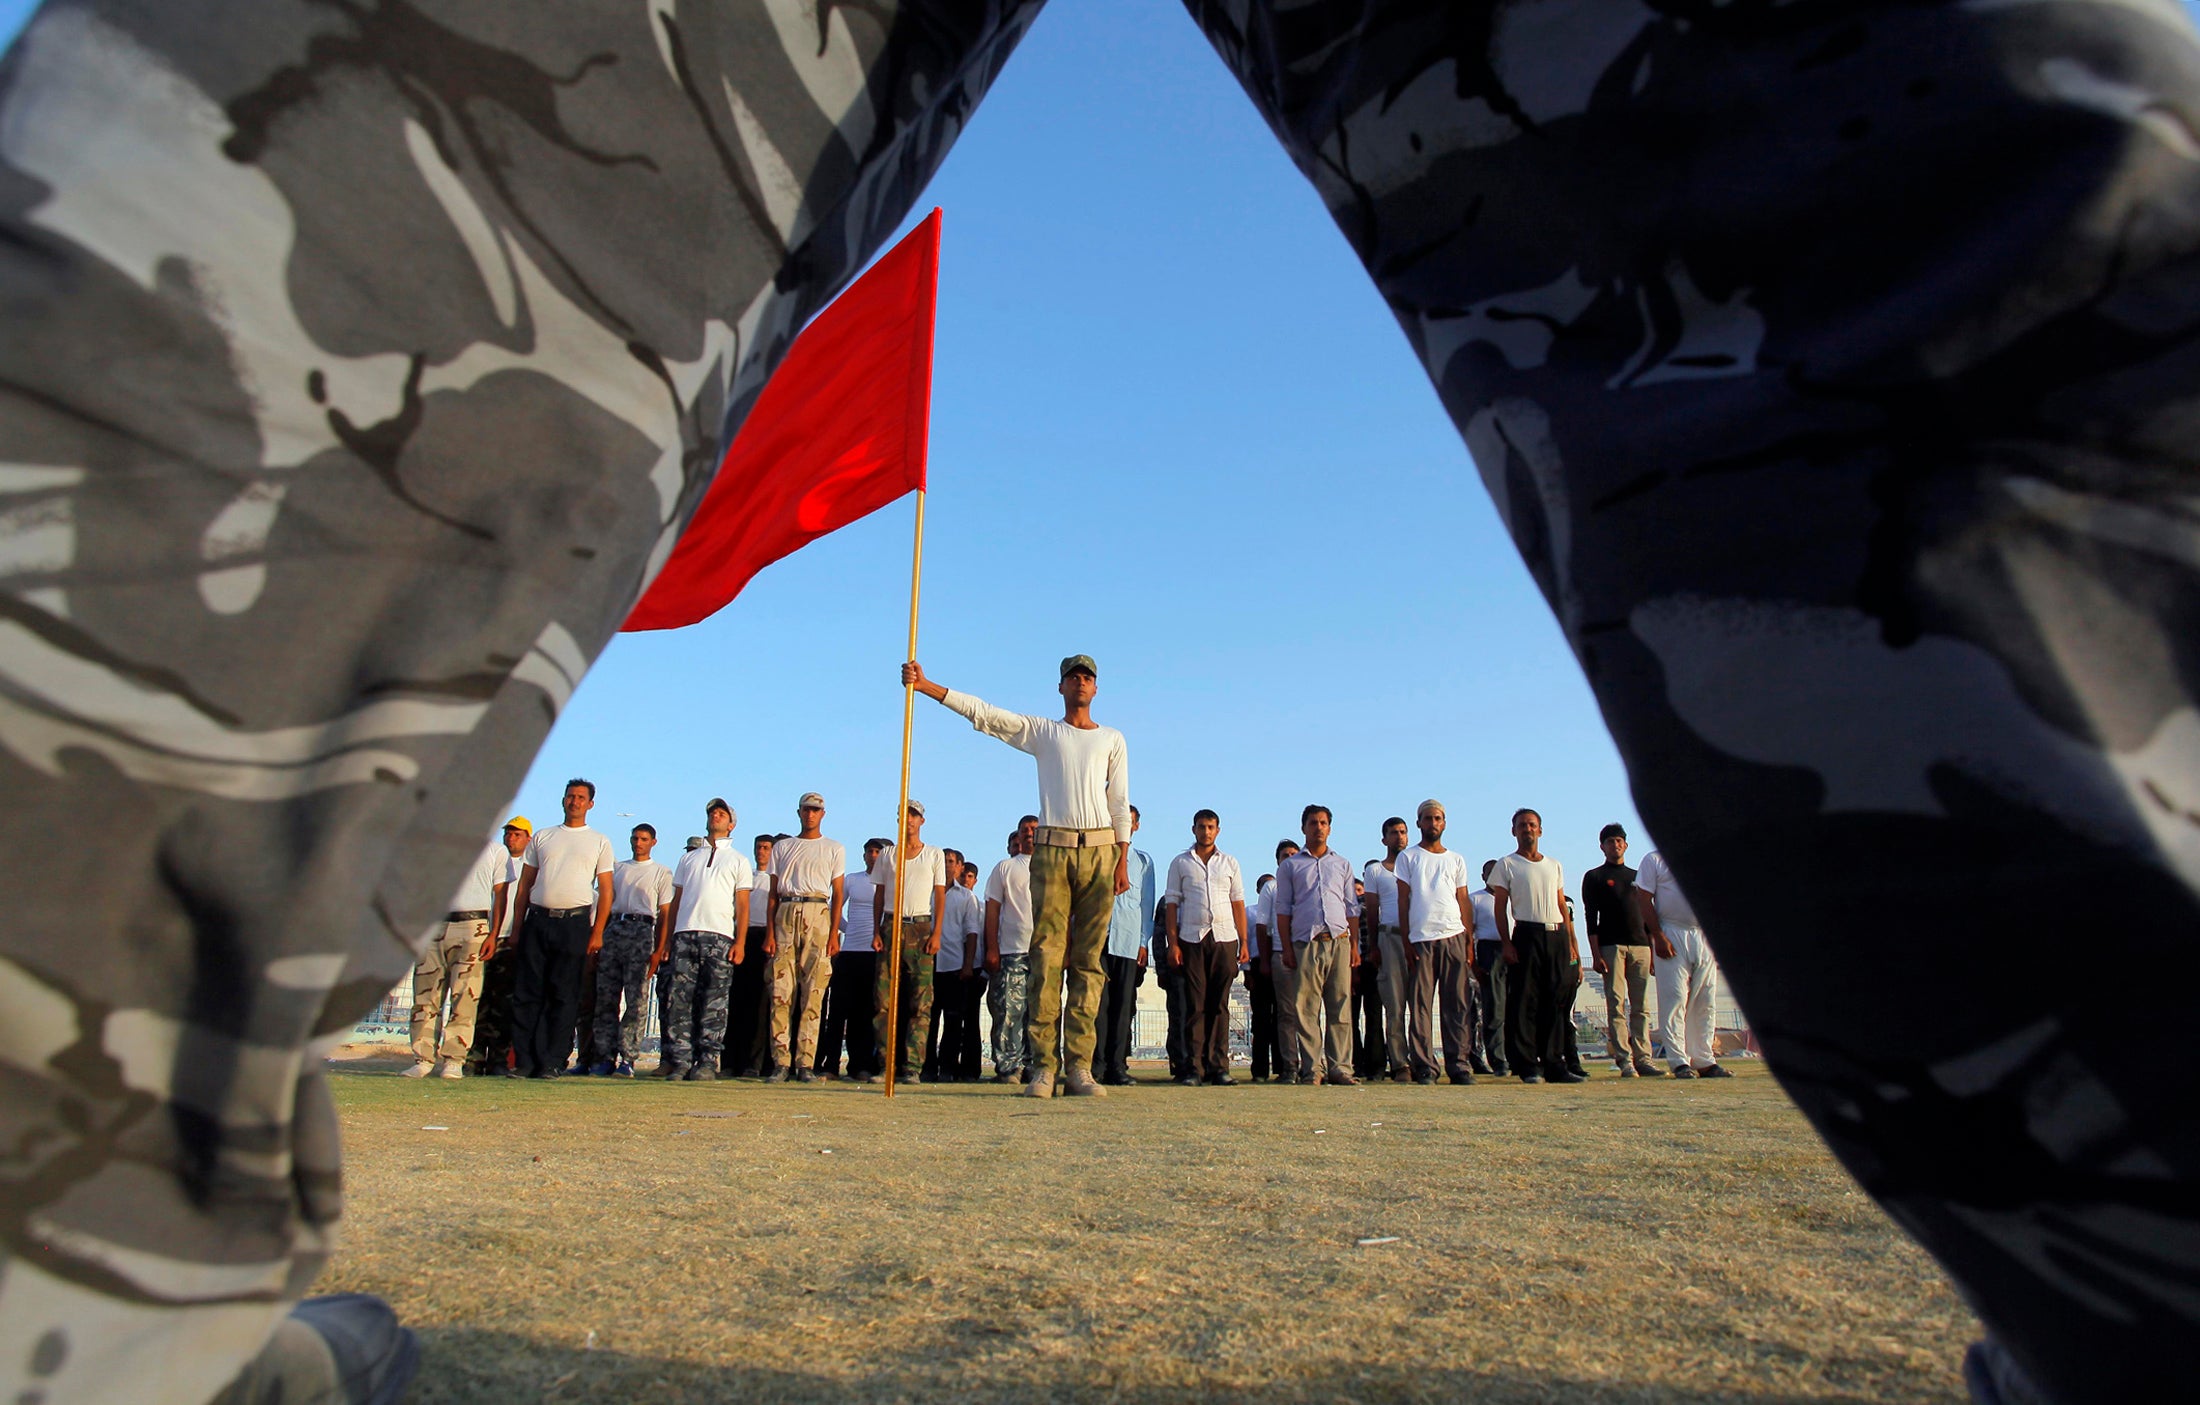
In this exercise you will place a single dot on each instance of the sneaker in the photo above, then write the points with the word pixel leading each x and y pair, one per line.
pixel 1647 1069
pixel 550 1073
pixel 1573 1066
pixel 579 1070
pixel 1715 1071
pixel 1500 1068
pixel 1461 1076
pixel 1260 1078
pixel 344 1347
pixel 1425 1079
pixel 510 1073
pixel 1221 1080
pixel 673 1073
pixel 420 1069
pixel 1531 1078
pixel 1626 1070
pixel 703 1073
pixel 624 1068
pixel 1478 1064
pixel 1040 1086
pixel 1078 1083
pixel 602 1068
pixel 1563 1075
pixel 451 1068
pixel 1683 1071
pixel 1185 1082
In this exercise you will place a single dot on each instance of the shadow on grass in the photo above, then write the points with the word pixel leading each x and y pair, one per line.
pixel 466 1364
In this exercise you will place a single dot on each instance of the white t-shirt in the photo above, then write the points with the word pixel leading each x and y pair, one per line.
pixel 760 893
pixel 513 863
pixel 1434 880
pixel 640 887
pixel 1656 879
pixel 1084 773
pixel 708 886
pixel 477 890
pixel 960 920
pixel 1010 885
pixel 925 870
pixel 1485 915
pixel 1263 915
pixel 1537 888
pixel 807 867
pixel 567 860
pixel 856 931
pixel 1382 885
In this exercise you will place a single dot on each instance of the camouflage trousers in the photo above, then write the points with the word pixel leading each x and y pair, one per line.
pixel 450 968
pixel 801 971
pixel 1008 1001
pixel 694 1013
pixel 622 975
pixel 492 1051
pixel 915 1016
pixel 1072 898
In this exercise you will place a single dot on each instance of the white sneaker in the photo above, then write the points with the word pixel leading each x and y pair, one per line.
pixel 419 1069
pixel 450 1068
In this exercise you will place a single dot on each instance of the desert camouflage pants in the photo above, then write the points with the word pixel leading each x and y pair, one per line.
pixel 693 1019
pixel 1072 898
pixel 622 983
pixel 449 970
pixel 801 972
pixel 361 362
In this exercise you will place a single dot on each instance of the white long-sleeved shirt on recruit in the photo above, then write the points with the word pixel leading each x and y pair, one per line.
pixel 1084 775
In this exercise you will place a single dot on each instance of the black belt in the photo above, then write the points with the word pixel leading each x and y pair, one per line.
pixel 630 916
pixel 583 910
pixel 472 915
pixel 804 898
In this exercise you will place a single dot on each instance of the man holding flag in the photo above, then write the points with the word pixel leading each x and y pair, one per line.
pixel 1082 859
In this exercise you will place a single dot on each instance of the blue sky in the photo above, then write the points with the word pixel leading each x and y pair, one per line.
pixel 1174 428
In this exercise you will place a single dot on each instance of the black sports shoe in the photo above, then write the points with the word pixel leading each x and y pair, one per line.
pixel 1531 1078
pixel 1684 1071
pixel 1715 1071
pixel 1461 1076
pixel 1563 1075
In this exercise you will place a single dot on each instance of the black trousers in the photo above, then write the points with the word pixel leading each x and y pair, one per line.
pixel 1569 987
pixel 1262 987
pixel 546 995
pixel 1370 1056
pixel 492 1051
pixel 955 1001
pixel 749 1011
pixel 848 1016
pixel 1118 1005
pixel 1171 977
pixel 1210 968
pixel 1490 1010
pixel 1534 1012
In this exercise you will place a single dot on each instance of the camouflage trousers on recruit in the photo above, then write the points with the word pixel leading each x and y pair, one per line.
pixel 1072 898
pixel 696 997
pixel 801 973
pixel 915 1015
pixel 1008 1001
pixel 450 968
pixel 622 980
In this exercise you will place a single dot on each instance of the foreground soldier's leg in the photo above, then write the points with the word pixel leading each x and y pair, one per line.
pixel 1864 495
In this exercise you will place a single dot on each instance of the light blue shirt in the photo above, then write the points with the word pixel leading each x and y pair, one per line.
pixel 1316 894
pixel 1130 925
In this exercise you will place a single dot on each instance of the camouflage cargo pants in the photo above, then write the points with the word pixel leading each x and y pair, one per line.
pixel 915 1016
pixel 1008 1001
pixel 694 1014
pixel 801 971
pixel 622 980
pixel 449 969
pixel 1072 898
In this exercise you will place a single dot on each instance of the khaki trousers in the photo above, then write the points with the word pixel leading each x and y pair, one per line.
pixel 800 972
pixel 450 967
pixel 1322 995
pixel 1628 966
pixel 1072 897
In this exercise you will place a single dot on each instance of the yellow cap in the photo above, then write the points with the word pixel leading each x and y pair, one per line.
pixel 519 822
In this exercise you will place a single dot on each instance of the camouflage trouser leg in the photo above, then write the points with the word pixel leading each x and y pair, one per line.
pixel 450 968
pixel 1072 897
pixel 1008 999
pixel 622 982
pixel 492 1049
pixel 915 1016
pixel 801 971
pixel 695 999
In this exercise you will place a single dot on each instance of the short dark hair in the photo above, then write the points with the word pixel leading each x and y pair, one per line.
pixel 1310 811
pixel 872 846
pixel 1026 819
pixel 1610 831
pixel 1263 881
pixel 1487 865
pixel 1524 810
pixel 1286 846
pixel 761 840
pixel 587 785
pixel 971 869
pixel 1134 810
pixel 954 854
pixel 1398 820
pixel 648 829
pixel 1198 815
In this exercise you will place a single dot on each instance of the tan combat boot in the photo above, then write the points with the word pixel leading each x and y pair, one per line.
pixel 1078 1083
pixel 1040 1086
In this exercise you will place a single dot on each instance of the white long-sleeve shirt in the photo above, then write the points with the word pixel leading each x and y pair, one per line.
pixel 1084 774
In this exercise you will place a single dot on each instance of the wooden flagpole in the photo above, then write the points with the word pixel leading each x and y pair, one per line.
pixel 901 812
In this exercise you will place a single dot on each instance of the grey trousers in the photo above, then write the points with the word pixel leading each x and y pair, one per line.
pixel 1321 998
pixel 1443 989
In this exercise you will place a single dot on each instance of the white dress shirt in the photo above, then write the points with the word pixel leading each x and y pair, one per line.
pixel 1202 893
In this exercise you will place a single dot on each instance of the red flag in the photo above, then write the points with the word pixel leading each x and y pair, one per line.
pixel 839 432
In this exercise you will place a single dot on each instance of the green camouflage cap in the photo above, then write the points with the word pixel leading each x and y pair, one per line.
pixel 1079 661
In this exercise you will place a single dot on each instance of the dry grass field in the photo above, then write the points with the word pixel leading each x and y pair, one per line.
pixel 1638 1241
